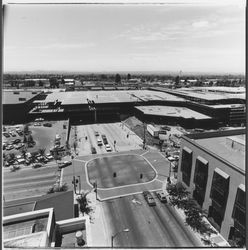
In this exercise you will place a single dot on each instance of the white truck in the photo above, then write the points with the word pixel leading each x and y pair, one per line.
pixel 153 131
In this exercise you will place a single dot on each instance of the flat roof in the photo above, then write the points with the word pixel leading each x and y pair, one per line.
pixel 218 146
pixel 172 111
pixel 13 96
pixel 206 93
pixel 209 94
pixel 101 96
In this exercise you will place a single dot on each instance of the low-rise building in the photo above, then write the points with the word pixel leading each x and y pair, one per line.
pixel 212 168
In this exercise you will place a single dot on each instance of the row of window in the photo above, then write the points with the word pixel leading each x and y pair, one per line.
pixel 219 189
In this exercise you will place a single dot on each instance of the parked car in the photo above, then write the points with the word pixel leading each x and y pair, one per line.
pixel 64 164
pixel 49 157
pixel 161 196
pixel 17 141
pixel 37 124
pixel 108 148
pixel 93 150
pixel 47 124
pixel 96 133
pixel 9 147
pixel 7 135
pixel 99 142
pixel 104 139
pixel 149 198
pixel 12 133
pixel 166 128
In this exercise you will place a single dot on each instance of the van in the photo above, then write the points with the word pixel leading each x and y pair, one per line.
pixel 99 142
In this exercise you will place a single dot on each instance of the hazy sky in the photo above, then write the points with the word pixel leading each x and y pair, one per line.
pixel 168 37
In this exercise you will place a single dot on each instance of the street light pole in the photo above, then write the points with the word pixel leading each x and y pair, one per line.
pixel 113 236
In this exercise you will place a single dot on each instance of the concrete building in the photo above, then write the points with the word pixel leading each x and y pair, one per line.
pixel 212 168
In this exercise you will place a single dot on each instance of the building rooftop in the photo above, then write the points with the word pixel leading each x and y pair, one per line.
pixel 80 97
pixel 172 111
pixel 209 93
pixel 229 148
pixel 18 96
pixel 61 202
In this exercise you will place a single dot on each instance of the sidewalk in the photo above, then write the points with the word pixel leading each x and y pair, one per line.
pixel 98 227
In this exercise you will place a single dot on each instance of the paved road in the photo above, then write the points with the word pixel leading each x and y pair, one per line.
pixel 157 226
pixel 113 131
pixel 28 182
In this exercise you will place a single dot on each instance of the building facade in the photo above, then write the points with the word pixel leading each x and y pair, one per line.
pixel 212 168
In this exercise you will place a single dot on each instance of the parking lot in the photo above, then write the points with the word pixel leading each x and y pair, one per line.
pixel 16 142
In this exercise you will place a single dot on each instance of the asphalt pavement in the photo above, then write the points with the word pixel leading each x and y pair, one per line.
pixel 157 226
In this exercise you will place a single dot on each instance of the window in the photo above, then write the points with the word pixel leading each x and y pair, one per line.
pixel 219 194
pixel 16 93
pixel 22 99
pixel 200 180
pixel 186 165
pixel 239 211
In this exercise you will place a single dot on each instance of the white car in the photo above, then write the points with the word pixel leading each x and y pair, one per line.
pixel 108 148
pixel 162 197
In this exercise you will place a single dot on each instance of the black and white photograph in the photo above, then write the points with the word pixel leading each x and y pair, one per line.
pixel 123 124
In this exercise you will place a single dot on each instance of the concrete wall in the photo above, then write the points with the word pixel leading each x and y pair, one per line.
pixel 236 178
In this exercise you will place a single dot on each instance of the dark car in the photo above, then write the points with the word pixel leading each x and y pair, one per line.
pixel 93 150
pixel 149 198
pixel 16 141
pixel 104 139
pixel 7 135
pixel 64 164
pixel 47 124
pixel 166 128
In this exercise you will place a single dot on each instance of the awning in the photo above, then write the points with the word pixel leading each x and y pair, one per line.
pixel 187 150
pixel 205 162
pixel 220 172
pixel 242 187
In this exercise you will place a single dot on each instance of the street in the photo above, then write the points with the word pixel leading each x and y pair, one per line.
pixel 28 182
pixel 157 226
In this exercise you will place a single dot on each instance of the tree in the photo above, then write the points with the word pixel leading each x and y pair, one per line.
pixel 12 157
pixel 23 152
pixel 42 151
pixel 128 76
pixel 26 129
pixel 177 80
pixel 117 78
pixel 24 139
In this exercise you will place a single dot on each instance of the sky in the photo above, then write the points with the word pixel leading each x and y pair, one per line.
pixel 188 37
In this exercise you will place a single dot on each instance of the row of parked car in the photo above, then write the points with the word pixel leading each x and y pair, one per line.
pixel 150 199
pixel 100 143
pixel 29 158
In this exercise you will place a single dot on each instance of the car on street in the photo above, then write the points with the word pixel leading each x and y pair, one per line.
pixel 161 196
pixel 64 164
pixel 96 133
pixel 108 148
pixel 149 198
pixel 93 150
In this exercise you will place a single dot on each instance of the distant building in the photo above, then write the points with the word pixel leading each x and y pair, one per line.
pixel 212 168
